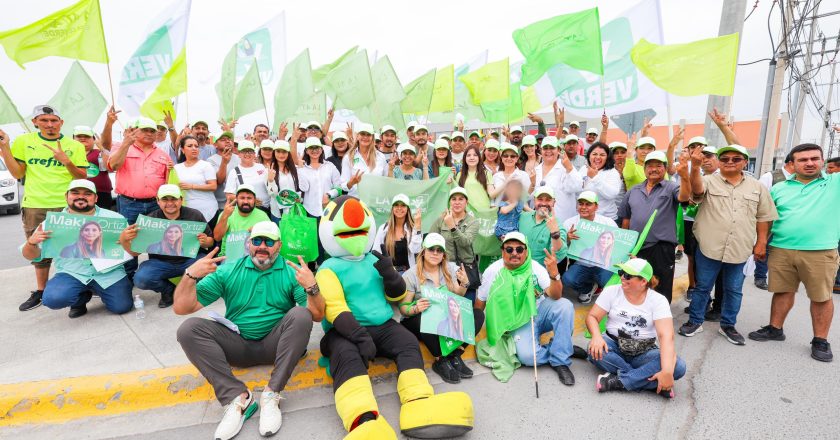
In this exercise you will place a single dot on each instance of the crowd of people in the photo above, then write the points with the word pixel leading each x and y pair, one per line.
pixel 543 187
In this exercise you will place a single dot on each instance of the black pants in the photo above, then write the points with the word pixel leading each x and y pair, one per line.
pixel 392 340
pixel 105 200
pixel 661 257
pixel 432 341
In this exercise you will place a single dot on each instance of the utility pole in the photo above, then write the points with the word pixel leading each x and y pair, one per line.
pixel 827 118
pixel 731 20
pixel 773 95
pixel 802 88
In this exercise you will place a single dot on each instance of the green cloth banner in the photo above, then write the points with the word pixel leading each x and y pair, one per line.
pixel 486 243
pixel 704 67
pixel 236 245
pixel 431 196
pixel 83 236
pixel 167 237
pixel 78 100
pixel 602 245
pixel 449 316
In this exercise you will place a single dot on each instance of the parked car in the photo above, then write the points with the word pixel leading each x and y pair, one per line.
pixel 9 191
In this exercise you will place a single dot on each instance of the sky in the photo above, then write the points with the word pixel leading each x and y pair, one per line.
pixel 415 36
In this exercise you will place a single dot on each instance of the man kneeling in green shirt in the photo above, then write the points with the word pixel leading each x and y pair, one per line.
pixel 270 304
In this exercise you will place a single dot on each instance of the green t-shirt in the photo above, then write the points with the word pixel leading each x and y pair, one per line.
pixel 807 213
pixel 255 300
pixel 46 178
pixel 633 174
pixel 364 291
pixel 539 238
pixel 237 222
pixel 477 195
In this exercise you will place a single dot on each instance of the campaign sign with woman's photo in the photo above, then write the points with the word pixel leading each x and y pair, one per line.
pixel 83 236
pixel 236 245
pixel 602 245
pixel 173 238
pixel 449 316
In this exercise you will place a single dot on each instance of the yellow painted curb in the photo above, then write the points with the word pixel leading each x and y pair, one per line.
pixel 60 400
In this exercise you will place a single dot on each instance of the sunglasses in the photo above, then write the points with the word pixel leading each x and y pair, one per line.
pixel 509 156
pixel 515 250
pixel 731 159
pixel 626 275
pixel 256 241
pixel 436 250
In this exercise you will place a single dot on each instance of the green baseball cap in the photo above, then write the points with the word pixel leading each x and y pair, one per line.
pixel 636 267
pixel 736 148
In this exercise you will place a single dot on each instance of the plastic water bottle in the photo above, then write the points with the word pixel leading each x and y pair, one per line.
pixel 139 307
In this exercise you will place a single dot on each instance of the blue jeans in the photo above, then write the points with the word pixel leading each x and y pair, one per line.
pixel 131 210
pixel 634 371
pixel 64 290
pixel 154 274
pixel 582 278
pixel 705 272
pixel 552 315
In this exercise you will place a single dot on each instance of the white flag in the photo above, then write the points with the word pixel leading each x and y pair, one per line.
pixel 154 57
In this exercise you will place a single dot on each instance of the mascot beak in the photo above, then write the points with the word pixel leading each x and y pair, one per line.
pixel 351 226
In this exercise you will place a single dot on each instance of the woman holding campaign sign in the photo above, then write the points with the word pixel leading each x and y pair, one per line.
pixel 431 284
pixel 601 177
pixel 172 243
pixel 197 179
pixel 89 244
pixel 637 317
pixel 400 237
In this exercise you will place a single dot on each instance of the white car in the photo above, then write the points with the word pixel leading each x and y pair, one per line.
pixel 9 191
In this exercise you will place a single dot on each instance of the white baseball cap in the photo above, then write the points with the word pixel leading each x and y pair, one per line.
pixel 82 130
pixel 492 143
pixel 458 190
pixel 570 138
pixel 312 141
pixel 516 128
pixel 246 144
pixel 169 190
pixel 516 235
pixel 646 140
pixel 592 130
pixel 549 141
pixel 589 196
pixel 86 184
pixel 406 147
pixel 387 128
pixel 419 127
pixel 530 140
pixel 710 149
pixel 339 135
pixel 282 145
pixel 698 140
pixel 575 123
pixel 313 124
pixel 364 127
pixel 456 134
pixel 411 125
pixel 267 143
pixel 401 198
pixel 506 146
pixel 267 229
pixel 441 144
pixel 246 187
pixel 544 190
pixel 433 239
pixel 656 155
pixel 617 144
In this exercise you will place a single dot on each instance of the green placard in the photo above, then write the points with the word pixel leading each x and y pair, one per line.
pixel 167 237
pixel 236 245
pixel 83 236
pixel 448 315
pixel 602 245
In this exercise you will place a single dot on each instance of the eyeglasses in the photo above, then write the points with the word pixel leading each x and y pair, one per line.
pixel 708 155
pixel 515 250
pixel 256 241
pixel 626 275
pixel 435 250
pixel 509 156
pixel 736 159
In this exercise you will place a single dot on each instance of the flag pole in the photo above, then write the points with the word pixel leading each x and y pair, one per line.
pixel 107 57
pixel 262 93
pixel 534 346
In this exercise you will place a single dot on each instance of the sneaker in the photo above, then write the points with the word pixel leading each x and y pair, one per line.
pixel 836 289
pixel 565 374
pixel 270 416
pixel 165 300
pixel 585 298
pixel 608 382
pixel 446 371
pixel 678 256
pixel 767 333
pixel 76 312
pixel 579 353
pixel 731 335
pixel 712 316
pixel 761 283
pixel 689 329
pixel 668 394
pixel 821 350
pixel 33 301
pixel 235 415
pixel 459 366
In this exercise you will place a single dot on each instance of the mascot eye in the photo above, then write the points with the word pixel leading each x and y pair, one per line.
pixel 326 212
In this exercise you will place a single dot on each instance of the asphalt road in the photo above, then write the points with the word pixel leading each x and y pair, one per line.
pixel 11 238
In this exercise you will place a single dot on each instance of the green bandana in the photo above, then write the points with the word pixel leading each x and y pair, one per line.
pixel 511 302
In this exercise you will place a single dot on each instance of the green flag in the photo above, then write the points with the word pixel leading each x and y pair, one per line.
pixel 571 39
pixel 249 93
pixel 418 94
pixel 704 67
pixel 294 89
pixel 226 88
pixel 431 196
pixel 385 109
pixel 320 74
pixel 78 99
pixel 8 111
pixel 172 84
pixel 73 32
pixel 350 83
pixel 312 108
pixel 489 83
pixel 443 92
pixel 520 103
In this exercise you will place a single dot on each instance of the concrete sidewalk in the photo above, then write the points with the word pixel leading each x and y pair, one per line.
pixel 55 369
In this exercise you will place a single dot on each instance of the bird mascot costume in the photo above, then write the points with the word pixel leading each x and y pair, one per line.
pixel 357 285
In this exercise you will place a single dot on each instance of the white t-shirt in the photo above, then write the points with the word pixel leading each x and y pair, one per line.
pixel 199 174
pixel 566 186
pixel 256 175
pixel 315 183
pixel 634 321
pixel 216 161
pixel 607 184
pixel 539 278
pixel 349 167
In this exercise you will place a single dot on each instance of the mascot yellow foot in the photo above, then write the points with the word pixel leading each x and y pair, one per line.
pixel 428 415
pixel 355 398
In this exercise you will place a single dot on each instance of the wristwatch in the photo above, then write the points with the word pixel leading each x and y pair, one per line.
pixel 558 277
pixel 313 290
pixel 187 274
pixel 555 235
pixel 453 229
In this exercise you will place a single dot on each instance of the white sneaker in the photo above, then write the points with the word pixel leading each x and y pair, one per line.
pixel 270 416
pixel 236 413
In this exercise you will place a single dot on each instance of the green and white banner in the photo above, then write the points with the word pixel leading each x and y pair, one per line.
pixel 431 196
pixel 83 236
pixel 144 69
pixel 449 316
pixel 601 245
pixel 236 245
pixel 167 237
